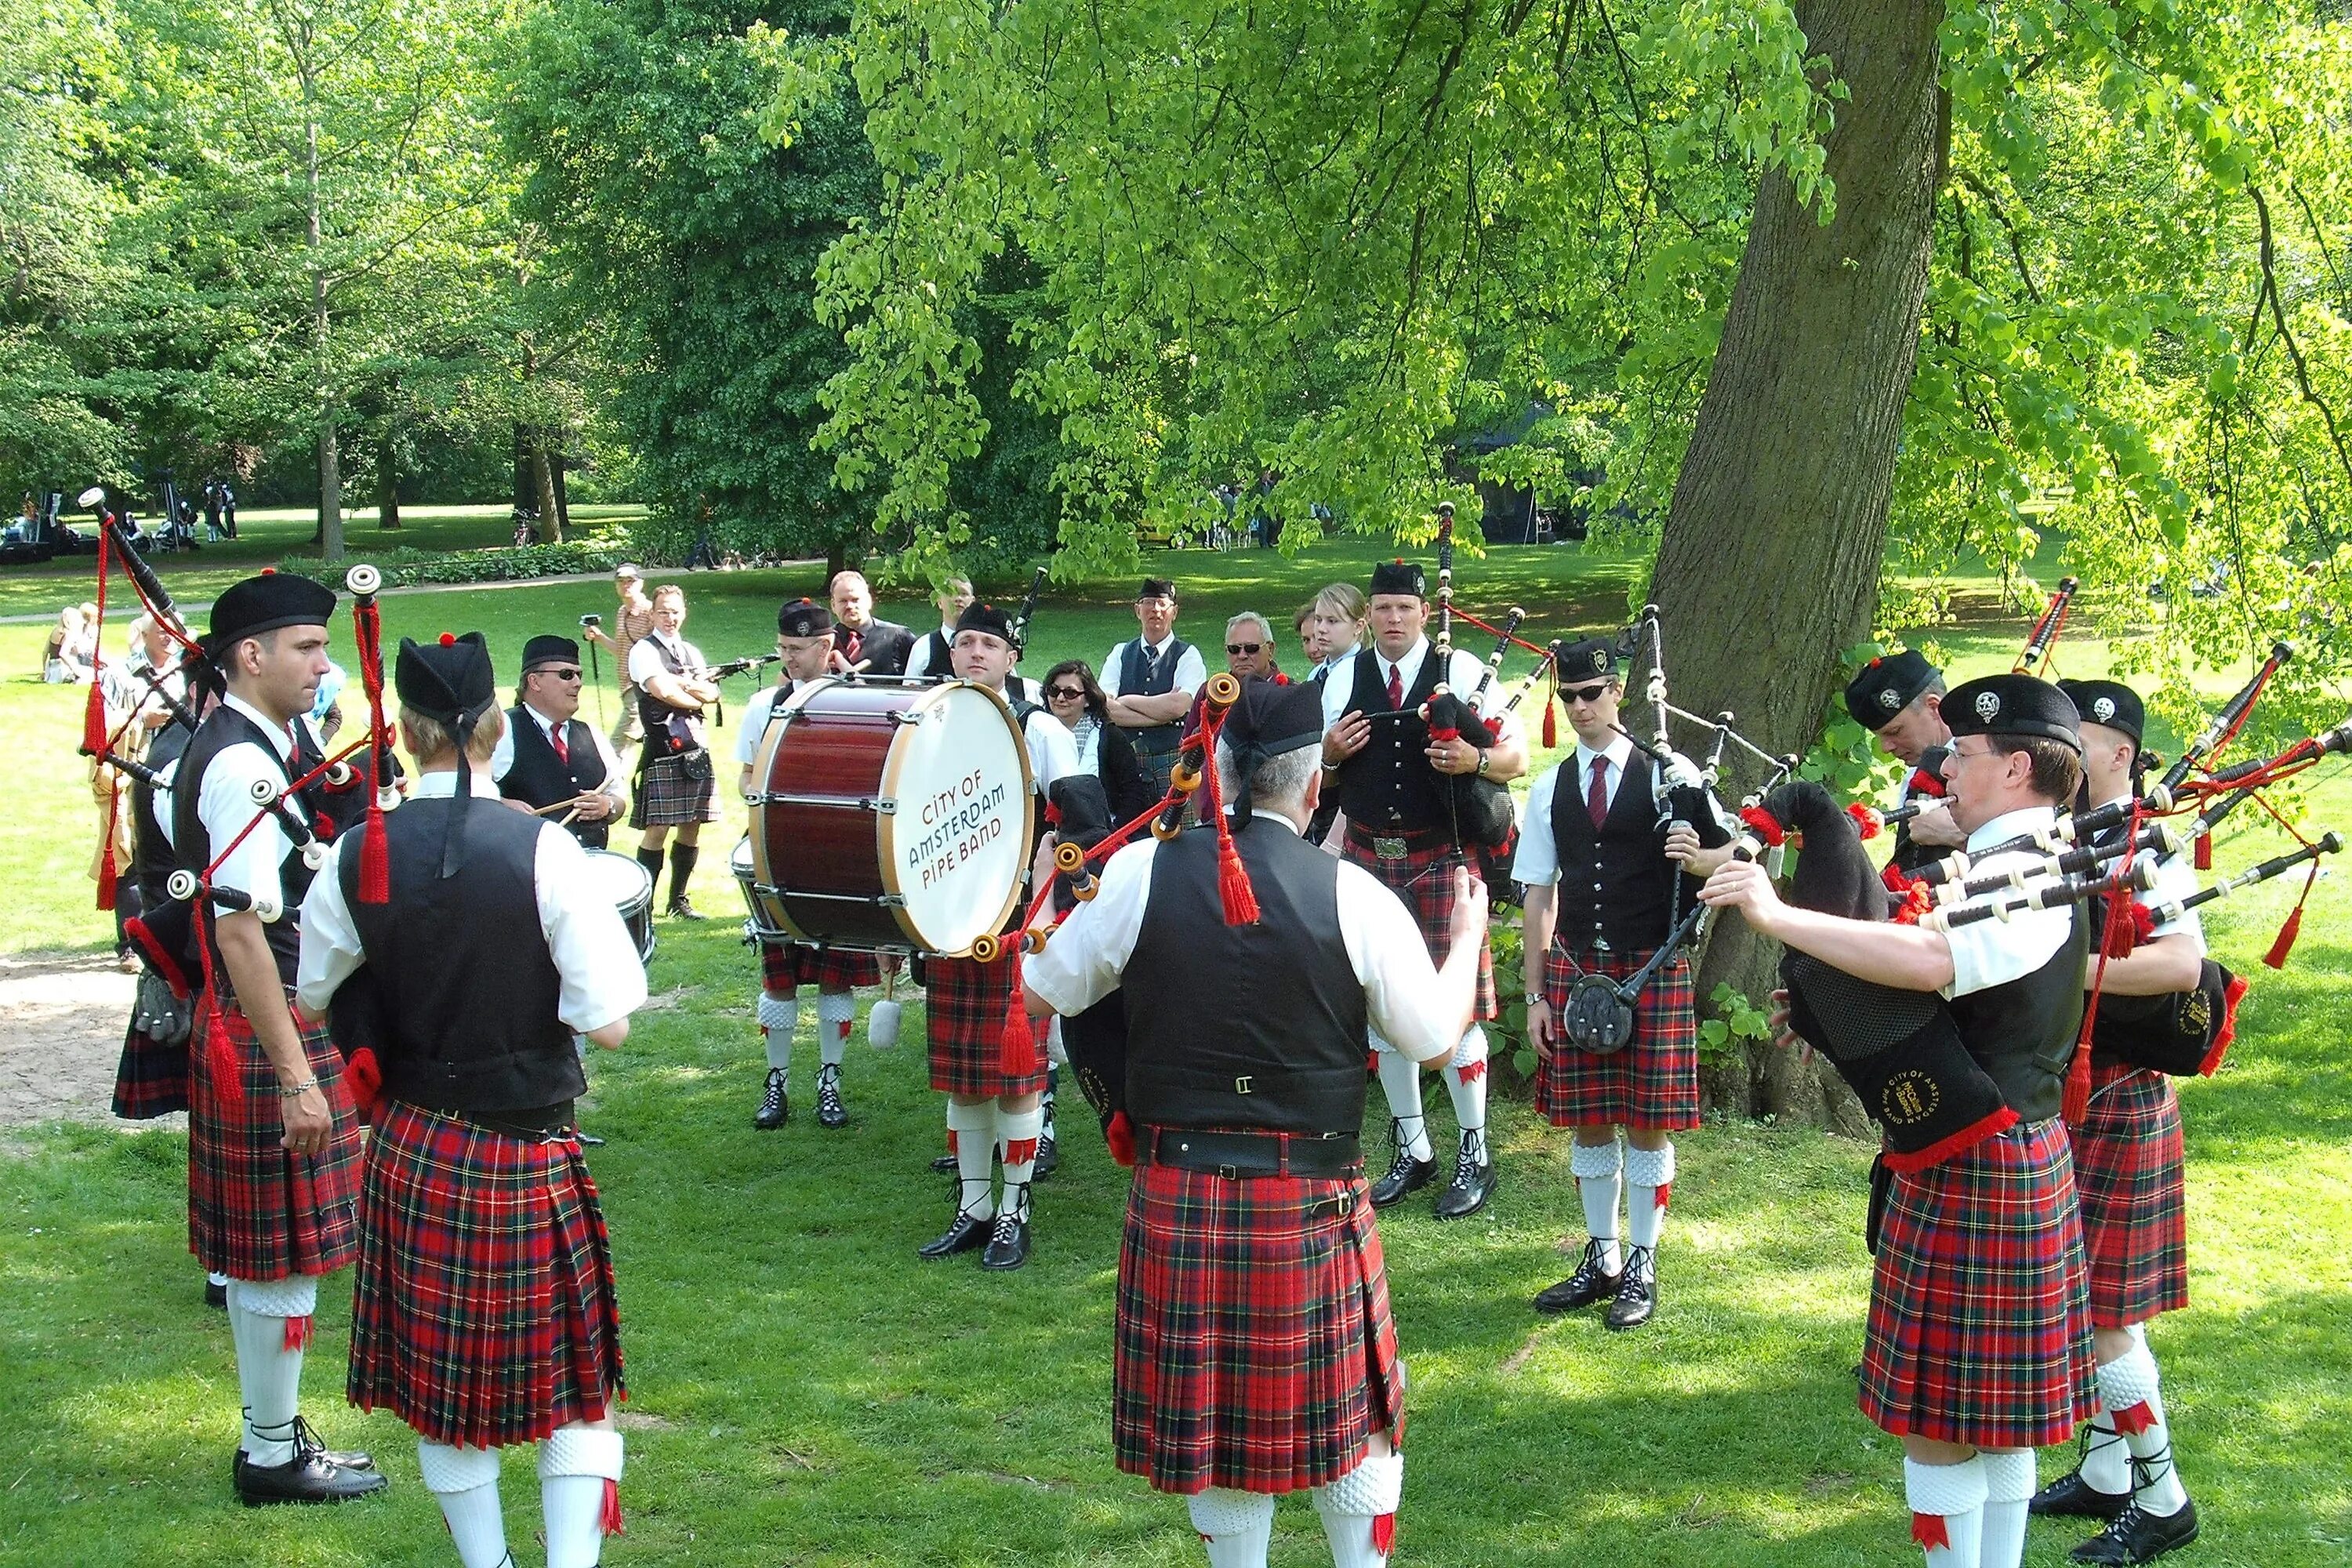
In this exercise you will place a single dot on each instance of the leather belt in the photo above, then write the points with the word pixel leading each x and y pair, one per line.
pixel 1241 1155
pixel 1401 844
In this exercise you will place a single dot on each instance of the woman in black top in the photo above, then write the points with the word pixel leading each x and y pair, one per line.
pixel 1073 696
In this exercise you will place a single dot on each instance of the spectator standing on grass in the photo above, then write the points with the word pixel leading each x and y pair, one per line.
pixel 631 622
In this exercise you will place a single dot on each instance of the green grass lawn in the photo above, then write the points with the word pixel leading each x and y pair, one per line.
pixel 803 1392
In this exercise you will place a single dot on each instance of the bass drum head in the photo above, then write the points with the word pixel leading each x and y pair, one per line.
pixel 955 847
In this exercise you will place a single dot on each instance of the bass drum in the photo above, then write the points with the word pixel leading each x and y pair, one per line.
pixel 891 818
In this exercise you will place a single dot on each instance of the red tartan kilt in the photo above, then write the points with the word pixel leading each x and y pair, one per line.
pixel 257 1211
pixel 666 797
pixel 1653 1083
pixel 963 1011
pixel 1424 880
pixel 484 1313
pixel 152 1080
pixel 2128 1173
pixel 785 965
pixel 1980 1308
pixel 1254 1345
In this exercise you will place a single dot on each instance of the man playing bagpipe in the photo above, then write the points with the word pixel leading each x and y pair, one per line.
pixel 966 1003
pixel 2128 1173
pixel 1394 783
pixel 805 636
pixel 1979 1345
pixel 1608 870
pixel 1256 1352
pixel 273 1137
pixel 1899 698
pixel 485 1313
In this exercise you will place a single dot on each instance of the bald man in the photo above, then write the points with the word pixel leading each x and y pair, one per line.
pixel 867 646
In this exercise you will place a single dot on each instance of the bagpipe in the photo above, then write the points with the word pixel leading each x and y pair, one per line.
pixel 1480 807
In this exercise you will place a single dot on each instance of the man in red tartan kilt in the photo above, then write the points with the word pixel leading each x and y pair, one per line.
pixel 485 1313
pixel 805 636
pixel 967 1002
pixel 1609 866
pixel 1979 1344
pixel 1393 782
pixel 273 1141
pixel 1256 1353
pixel 2128 1173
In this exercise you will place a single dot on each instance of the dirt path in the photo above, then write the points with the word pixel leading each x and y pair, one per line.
pixel 61 1019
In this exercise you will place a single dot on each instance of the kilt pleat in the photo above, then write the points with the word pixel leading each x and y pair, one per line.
pixel 963 1019
pixel 484 1312
pixel 1979 1328
pixel 152 1078
pixel 1254 1345
pixel 257 1210
pixel 666 797
pixel 1653 1083
pixel 786 964
pixel 2128 1173
pixel 1424 880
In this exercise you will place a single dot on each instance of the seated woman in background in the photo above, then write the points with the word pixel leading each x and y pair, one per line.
pixel 1105 750
pixel 66 659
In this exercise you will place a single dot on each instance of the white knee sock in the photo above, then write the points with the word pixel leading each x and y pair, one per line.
pixel 972 1131
pixel 834 1012
pixel 1359 1511
pixel 1238 1527
pixel 269 1322
pixel 2128 1387
pixel 2009 1485
pixel 1019 1131
pixel 2106 1463
pixel 465 1482
pixel 1649 1179
pixel 1599 1170
pixel 1946 1510
pixel 579 1493
pixel 1465 1083
pixel 1401 1082
pixel 779 1016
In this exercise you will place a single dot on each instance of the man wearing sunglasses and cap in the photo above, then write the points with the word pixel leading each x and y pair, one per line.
pixel 548 757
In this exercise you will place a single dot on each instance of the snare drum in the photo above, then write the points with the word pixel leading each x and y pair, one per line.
pixel 631 888
pixel 891 818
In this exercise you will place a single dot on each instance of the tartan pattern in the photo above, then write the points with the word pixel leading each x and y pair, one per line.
pixel 151 1081
pixel 1653 1083
pixel 484 1311
pixel 1424 880
pixel 786 964
pixel 257 1211
pixel 1255 1347
pixel 2128 1173
pixel 666 797
pixel 1979 1326
pixel 963 1018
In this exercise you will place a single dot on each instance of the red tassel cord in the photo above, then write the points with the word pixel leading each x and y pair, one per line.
pixel 2231 994
pixel 108 875
pixel 375 861
pixel 1867 823
pixel 2136 930
pixel 1016 1050
pixel 1767 826
pixel 1550 723
pixel 1120 1137
pixel 1234 889
pixel 2284 944
pixel 364 1077
pixel 94 711
pixel 1916 900
pixel 2202 856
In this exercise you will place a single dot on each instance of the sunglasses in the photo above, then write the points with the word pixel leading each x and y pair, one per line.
pixel 1574 694
pixel 1065 693
pixel 572 673
pixel 1239 650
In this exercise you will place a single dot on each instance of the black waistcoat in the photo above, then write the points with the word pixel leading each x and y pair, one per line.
pixel 2022 1031
pixel 681 727
pixel 1616 885
pixel 1158 739
pixel 152 857
pixel 192 847
pixel 539 777
pixel 1388 786
pixel 468 989
pixel 1245 1027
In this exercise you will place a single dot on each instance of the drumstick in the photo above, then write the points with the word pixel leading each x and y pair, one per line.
pixel 554 806
pixel 565 820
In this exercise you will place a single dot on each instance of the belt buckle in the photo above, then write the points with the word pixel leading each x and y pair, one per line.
pixel 1387 848
pixel 1230 1173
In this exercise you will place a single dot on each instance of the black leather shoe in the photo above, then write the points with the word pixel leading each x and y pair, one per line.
pixel 830 1112
pixel 2070 1495
pixel 310 1477
pixel 2137 1536
pixel 1008 1242
pixel 1590 1283
pixel 1406 1175
pixel 1474 1184
pixel 968 1232
pixel 307 1441
pixel 1637 1295
pixel 216 1295
pixel 944 1163
pixel 587 1140
pixel 684 909
pixel 775 1108
pixel 1049 1157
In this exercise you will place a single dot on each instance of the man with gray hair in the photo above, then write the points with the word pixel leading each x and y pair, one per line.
pixel 1256 1353
pixel 1249 646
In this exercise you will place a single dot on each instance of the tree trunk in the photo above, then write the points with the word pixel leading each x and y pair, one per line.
pixel 1786 486
pixel 387 483
pixel 330 536
pixel 550 523
pixel 837 560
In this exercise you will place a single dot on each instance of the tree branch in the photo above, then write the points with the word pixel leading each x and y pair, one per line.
pixel 2269 256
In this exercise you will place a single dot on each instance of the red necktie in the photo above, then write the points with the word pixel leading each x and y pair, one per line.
pixel 1596 799
pixel 1396 688
pixel 562 750
pixel 850 652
